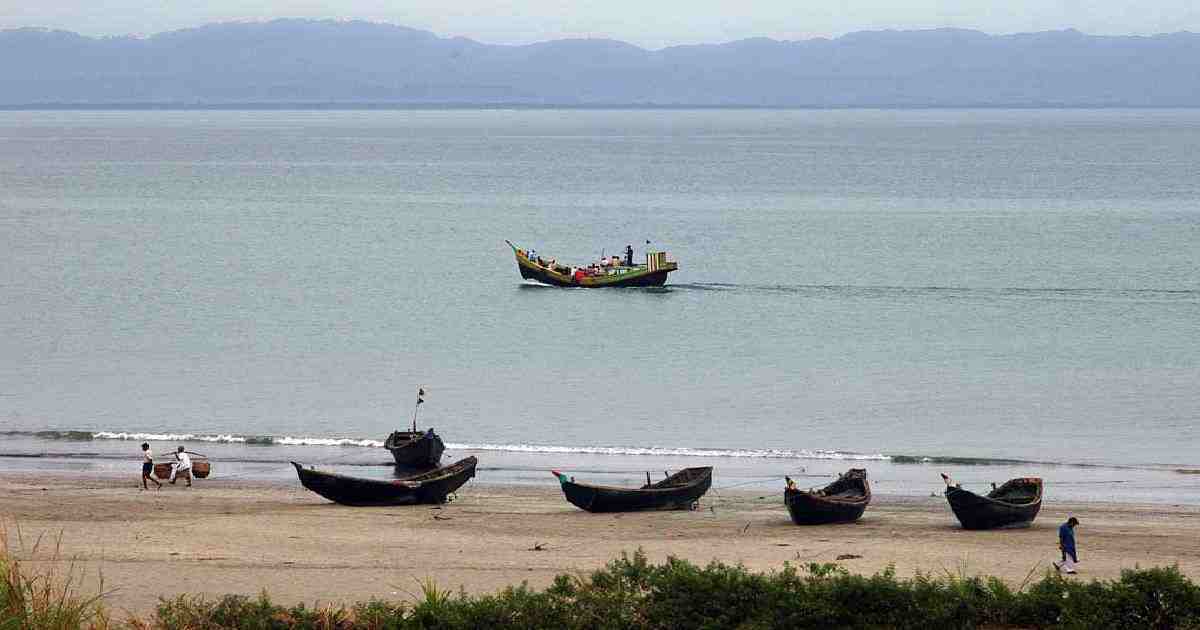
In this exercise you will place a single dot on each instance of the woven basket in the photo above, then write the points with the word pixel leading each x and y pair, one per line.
pixel 201 469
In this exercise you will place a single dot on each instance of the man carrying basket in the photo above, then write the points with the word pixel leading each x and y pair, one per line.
pixel 183 465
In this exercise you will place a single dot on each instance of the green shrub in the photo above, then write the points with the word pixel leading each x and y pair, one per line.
pixel 630 593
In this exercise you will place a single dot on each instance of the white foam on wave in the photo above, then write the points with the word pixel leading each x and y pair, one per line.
pixel 236 439
pixel 315 441
pixel 658 451
pixel 167 437
pixel 769 453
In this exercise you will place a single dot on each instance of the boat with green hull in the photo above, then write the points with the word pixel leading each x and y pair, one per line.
pixel 611 272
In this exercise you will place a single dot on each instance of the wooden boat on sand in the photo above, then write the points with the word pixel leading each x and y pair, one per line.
pixel 842 501
pixel 415 449
pixel 614 272
pixel 677 492
pixel 427 487
pixel 1014 504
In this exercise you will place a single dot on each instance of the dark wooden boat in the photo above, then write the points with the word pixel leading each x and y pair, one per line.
pixel 1014 504
pixel 625 274
pixel 677 492
pixel 427 487
pixel 842 501
pixel 415 449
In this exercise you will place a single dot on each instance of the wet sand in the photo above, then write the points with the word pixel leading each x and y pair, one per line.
pixel 234 536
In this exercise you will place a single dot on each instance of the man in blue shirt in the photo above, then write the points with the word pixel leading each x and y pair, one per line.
pixel 1066 542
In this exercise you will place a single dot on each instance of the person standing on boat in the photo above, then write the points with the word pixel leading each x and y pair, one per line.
pixel 1066 542
pixel 629 255
pixel 148 467
pixel 184 465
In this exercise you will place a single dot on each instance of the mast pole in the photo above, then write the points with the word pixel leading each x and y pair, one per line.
pixel 420 392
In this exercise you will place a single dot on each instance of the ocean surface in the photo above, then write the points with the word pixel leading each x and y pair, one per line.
pixel 987 293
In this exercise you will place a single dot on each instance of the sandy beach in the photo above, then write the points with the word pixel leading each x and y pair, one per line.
pixel 234 536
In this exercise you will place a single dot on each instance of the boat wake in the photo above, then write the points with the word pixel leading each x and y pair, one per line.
pixel 868 291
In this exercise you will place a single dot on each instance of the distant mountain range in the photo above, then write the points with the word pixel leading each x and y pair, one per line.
pixel 354 63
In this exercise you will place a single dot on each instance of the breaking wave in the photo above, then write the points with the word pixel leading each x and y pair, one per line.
pixel 672 451
pixel 287 440
pixel 648 451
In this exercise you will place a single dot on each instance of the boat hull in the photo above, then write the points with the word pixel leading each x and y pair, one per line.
pixel 807 509
pixel 842 501
pixel 983 512
pixel 420 450
pixel 427 488
pixel 633 279
pixel 605 499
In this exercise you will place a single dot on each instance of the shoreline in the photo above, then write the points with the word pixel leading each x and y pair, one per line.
pixel 245 536
pixel 1069 483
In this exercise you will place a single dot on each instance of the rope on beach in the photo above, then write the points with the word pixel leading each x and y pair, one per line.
pixel 254 472
pixel 288 465
pixel 746 483
pixel 719 501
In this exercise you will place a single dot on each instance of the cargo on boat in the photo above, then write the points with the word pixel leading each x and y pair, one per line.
pixel 609 271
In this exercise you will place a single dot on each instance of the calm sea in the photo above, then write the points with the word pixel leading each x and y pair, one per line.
pixel 985 292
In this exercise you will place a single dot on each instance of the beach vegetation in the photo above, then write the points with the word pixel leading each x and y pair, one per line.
pixel 49 597
pixel 631 592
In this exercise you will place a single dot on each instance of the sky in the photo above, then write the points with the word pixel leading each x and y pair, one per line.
pixel 647 23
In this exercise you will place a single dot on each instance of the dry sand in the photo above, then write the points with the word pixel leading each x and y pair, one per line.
pixel 231 536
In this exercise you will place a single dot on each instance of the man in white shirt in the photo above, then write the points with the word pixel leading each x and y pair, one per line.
pixel 183 465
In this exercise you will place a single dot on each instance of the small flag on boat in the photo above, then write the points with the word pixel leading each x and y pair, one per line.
pixel 420 393
pixel 561 477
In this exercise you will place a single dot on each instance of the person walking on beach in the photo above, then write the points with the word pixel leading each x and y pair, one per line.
pixel 183 465
pixel 148 467
pixel 1066 542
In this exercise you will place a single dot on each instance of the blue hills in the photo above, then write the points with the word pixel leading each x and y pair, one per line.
pixel 354 62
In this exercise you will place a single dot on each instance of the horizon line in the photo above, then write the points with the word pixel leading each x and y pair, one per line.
pixel 467 105
pixel 266 21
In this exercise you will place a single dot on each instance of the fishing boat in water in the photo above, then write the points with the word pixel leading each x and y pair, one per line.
pixel 427 487
pixel 677 492
pixel 1014 504
pixel 842 501
pixel 413 448
pixel 613 271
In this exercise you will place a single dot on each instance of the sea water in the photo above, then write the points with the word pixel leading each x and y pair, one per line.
pixel 989 293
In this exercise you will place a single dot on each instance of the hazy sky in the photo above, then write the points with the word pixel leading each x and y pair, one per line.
pixel 650 23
